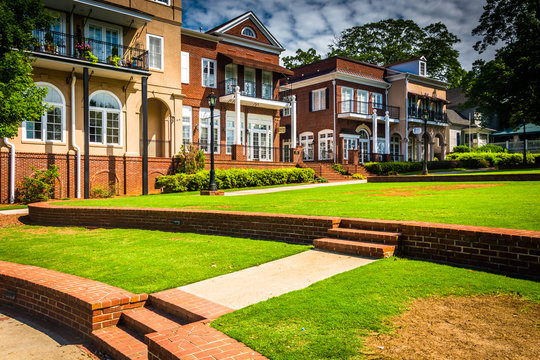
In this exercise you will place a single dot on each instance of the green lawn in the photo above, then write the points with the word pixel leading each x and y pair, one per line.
pixel 12 206
pixel 496 204
pixel 136 260
pixel 331 318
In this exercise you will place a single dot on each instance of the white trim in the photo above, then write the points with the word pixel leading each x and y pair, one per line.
pixel 326 139
pixel 306 134
pixel 115 9
pixel 43 138
pixel 322 105
pixel 184 67
pixel 104 126
pixel 334 76
pixel 162 3
pixel 251 44
pixel 199 35
pixel 421 79
pixel 202 72
pixel 249 28
pixel 189 111
pixel 162 50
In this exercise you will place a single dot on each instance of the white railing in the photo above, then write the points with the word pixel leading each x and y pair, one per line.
pixel 532 146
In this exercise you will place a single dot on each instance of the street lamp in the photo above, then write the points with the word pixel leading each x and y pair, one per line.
pixel 212 103
pixel 424 163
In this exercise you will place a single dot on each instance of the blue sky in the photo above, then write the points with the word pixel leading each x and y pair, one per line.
pixel 315 23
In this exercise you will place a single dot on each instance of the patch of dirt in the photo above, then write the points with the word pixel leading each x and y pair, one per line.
pixel 411 190
pixel 465 328
pixel 56 230
pixel 12 220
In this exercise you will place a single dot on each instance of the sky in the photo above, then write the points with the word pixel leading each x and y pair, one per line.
pixel 315 23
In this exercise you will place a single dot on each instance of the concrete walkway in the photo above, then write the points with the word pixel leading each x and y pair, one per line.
pixel 14 212
pixel 259 283
pixel 293 187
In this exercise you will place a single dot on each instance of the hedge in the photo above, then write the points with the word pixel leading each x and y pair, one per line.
pixel 399 167
pixel 476 160
pixel 233 179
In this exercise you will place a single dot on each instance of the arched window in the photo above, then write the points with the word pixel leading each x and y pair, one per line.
pixel 105 118
pixel 248 31
pixel 363 146
pixel 52 124
pixel 326 144
pixel 306 140
pixel 394 147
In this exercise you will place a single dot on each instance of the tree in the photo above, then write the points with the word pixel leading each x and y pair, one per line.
pixel 301 58
pixel 20 98
pixel 509 84
pixel 389 41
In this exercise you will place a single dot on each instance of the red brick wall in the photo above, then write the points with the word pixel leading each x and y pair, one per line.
pixel 501 250
pixel 237 31
pixel 80 304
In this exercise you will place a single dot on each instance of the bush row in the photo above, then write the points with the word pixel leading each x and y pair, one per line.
pixel 399 167
pixel 233 179
pixel 482 149
pixel 478 160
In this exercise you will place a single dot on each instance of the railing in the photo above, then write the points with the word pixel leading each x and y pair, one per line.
pixel 52 42
pixel 252 152
pixel 366 108
pixel 249 88
pixel 532 146
pixel 437 116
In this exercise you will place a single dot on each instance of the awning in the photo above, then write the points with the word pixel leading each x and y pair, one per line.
pixel 227 59
pixel 425 96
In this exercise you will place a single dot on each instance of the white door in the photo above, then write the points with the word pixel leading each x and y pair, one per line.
pixel 346 100
pixel 363 147
pixel 306 140
pixel 349 143
pixel 363 104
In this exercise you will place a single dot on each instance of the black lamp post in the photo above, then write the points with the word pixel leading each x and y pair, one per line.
pixel 212 103
pixel 424 163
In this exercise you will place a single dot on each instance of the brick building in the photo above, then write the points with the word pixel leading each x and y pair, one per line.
pixel 239 62
pixel 348 111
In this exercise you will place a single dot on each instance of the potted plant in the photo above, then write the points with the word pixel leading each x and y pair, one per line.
pixel 83 50
pixel 114 59
pixel 49 42
pixel 38 46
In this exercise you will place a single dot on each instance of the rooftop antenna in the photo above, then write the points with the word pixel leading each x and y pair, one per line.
pixel 200 28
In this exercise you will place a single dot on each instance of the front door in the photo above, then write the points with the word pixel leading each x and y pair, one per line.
pixel 363 147
pixel 259 141
pixel 349 144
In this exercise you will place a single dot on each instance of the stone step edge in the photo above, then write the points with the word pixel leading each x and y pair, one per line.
pixel 120 344
pixel 374 250
pixel 386 237
pixel 146 321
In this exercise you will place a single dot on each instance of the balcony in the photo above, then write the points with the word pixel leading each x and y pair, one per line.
pixel 250 88
pixel 249 96
pixel 363 110
pixel 61 45
pixel 433 116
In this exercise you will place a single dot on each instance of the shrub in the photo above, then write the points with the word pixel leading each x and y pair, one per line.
pixel 398 167
pixel 358 177
pixel 104 191
pixel 462 149
pixel 502 159
pixel 190 160
pixel 321 180
pixel 489 148
pixel 233 178
pixel 339 168
pixel 38 187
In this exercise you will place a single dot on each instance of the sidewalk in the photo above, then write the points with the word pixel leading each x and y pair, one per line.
pixel 14 212
pixel 294 187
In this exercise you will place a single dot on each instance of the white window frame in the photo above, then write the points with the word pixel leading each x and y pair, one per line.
pixel 347 107
pixel 287 110
pixel 104 34
pixel 362 106
pixel 187 112
pixel 43 137
pixel 230 117
pixel 104 126
pixel 395 144
pixel 349 140
pixel 422 68
pixel 162 2
pixel 231 82
pixel 202 72
pixel 269 85
pixel 250 29
pixel 304 138
pixel 320 95
pixel 160 38
pixel 217 140
pixel 376 104
pixel 324 137
pixel 184 67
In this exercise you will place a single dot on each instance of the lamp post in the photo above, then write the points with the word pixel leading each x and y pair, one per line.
pixel 424 163
pixel 212 103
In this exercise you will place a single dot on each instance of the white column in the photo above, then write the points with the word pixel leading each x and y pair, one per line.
pixel 387 133
pixel 293 121
pixel 238 120
pixel 374 136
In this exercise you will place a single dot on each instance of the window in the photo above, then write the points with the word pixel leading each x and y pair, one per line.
pixel 249 81
pixel 247 31
pixel 184 67
pixel 362 106
pixel 155 51
pixel 318 100
pixel 57 30
pixel 51 125
pixel 266 84
pixel 164 2
pixel 287 111
pixel 347 99
pixel 231 119
pixel 231 78
pixel 105 118
pixel 204 132
pixel 209 73
pixel 422 68
pixel 394 147
pixel 187 117
pixel 326 145
pixel 306 140
pixel 105 38
pixel 376 100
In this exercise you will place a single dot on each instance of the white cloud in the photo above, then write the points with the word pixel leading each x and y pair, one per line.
pixel 314 23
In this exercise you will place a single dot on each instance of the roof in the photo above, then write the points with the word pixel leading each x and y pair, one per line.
pixel 257 64
pixel 456 118
pixel 405 61
pixel 529 128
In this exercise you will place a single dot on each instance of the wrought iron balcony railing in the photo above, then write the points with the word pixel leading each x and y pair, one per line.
pixel 437 116
pixel 249 88
pixel 95 51
pixel 366 108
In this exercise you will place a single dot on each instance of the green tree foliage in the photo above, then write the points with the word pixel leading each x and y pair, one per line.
pixel 301 58
pixel 19 97
pixel 39 186
pixel 391 40
pixel 508 85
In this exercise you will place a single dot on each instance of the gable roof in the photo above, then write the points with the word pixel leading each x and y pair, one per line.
pixel 221 29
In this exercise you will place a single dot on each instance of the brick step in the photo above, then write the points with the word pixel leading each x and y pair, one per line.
pixel 383 237
pixel 121 343
pixel 148 320
pixel 367 249
pixel 369 224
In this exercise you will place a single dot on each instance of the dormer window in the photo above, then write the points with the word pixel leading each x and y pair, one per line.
pixel 247 31
pixel 422 68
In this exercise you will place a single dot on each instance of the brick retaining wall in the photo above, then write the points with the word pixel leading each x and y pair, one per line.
pixel 502 250
pixel 80 304
pixel 455 178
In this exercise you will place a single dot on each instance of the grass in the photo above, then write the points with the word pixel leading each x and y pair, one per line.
pixel 331 318
pixel 496 204
pixel 136 260
pixel 12 207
